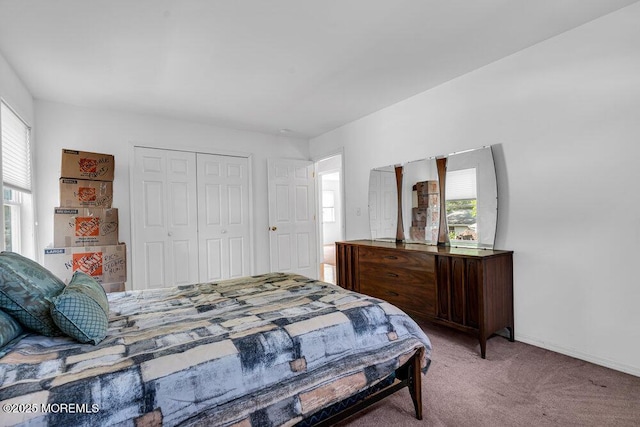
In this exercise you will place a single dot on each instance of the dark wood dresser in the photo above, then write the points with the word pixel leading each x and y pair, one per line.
pixel 467 289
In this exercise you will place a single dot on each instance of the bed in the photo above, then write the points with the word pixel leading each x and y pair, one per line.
pixel 268 350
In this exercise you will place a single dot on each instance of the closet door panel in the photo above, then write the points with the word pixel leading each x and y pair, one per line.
pixel 154 277
pixel 153 203
pixel 213 203
pixel 237 248
pixel 182 252
pixel 164 249
pixel 213 259
pixel 182 217
pixel 223 205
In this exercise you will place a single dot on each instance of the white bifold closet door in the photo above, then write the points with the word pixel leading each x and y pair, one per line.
pixel 190 217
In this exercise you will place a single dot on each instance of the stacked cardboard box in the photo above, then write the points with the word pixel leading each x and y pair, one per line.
pixel 86 193
pixel 85 235
pixel 425 212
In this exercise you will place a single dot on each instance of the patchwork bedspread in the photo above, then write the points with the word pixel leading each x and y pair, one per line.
pixel 257 351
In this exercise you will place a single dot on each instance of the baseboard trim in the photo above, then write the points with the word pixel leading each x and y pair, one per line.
pixel 632 370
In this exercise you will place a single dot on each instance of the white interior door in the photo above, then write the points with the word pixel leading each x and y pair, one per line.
pixel 223 217
pixel 292 224
pixel 165 245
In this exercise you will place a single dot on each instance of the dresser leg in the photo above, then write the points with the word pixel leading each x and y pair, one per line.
pixel 512 335
pixel 483 347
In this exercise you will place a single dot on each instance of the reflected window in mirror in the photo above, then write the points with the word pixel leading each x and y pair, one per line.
pixel 462 206
pixel 471 175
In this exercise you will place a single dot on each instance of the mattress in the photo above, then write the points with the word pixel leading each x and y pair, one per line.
pixel 256 351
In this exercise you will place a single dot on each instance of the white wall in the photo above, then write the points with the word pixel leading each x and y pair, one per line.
pixel 63 126
pixel 15 93
pixel 565 118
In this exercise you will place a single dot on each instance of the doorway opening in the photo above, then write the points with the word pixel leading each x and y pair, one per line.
pixel 330 211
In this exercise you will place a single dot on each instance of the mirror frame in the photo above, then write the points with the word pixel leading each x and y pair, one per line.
pixel 487 204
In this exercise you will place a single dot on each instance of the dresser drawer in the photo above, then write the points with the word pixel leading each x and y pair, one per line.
pixel 403 278
pixel 409 290
pixel 393 258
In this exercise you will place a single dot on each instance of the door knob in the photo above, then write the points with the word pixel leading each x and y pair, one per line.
pixel 170 234
pixel 223 231
pixel 274 228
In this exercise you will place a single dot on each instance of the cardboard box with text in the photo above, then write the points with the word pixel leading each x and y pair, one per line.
pixel 85 227
pixel 87 165
pixel 85 193
pixel 107 264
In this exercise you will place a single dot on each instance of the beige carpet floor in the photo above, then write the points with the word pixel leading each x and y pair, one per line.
pixel 517 385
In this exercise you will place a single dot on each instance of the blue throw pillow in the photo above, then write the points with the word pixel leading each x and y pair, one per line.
pixel 26 290
pixel 81 311
pixel 10 330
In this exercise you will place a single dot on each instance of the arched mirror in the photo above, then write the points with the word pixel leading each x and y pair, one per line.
pixel 420 201
pixel 469 200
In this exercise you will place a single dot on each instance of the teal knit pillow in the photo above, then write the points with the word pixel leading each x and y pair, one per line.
pixel 10 329
pixel 26 289
pixel 81 311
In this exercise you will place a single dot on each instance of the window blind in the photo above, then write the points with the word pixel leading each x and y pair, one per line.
pixel 16 153
pixel 461 184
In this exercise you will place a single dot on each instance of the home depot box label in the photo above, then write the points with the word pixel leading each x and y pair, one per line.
pixel 107 264
pixel 85 193
pixel 87 165
pixel 85 227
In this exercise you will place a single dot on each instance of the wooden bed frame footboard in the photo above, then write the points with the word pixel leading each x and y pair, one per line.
pixel 408 375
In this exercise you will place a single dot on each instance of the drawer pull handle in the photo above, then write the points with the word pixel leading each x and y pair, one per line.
pixel 395 294
pixel 391 257
pixel 392 275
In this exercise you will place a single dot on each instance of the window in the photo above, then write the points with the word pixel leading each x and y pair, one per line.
pixel 11 220
pixel 16 181
pixel 328 206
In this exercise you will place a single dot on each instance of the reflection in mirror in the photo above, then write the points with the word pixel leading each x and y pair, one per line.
pixel 421 201
pixel 470 201
pixel 471 198
pixel 383 203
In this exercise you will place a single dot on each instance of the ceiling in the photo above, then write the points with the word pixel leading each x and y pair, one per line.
pixel 299 67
